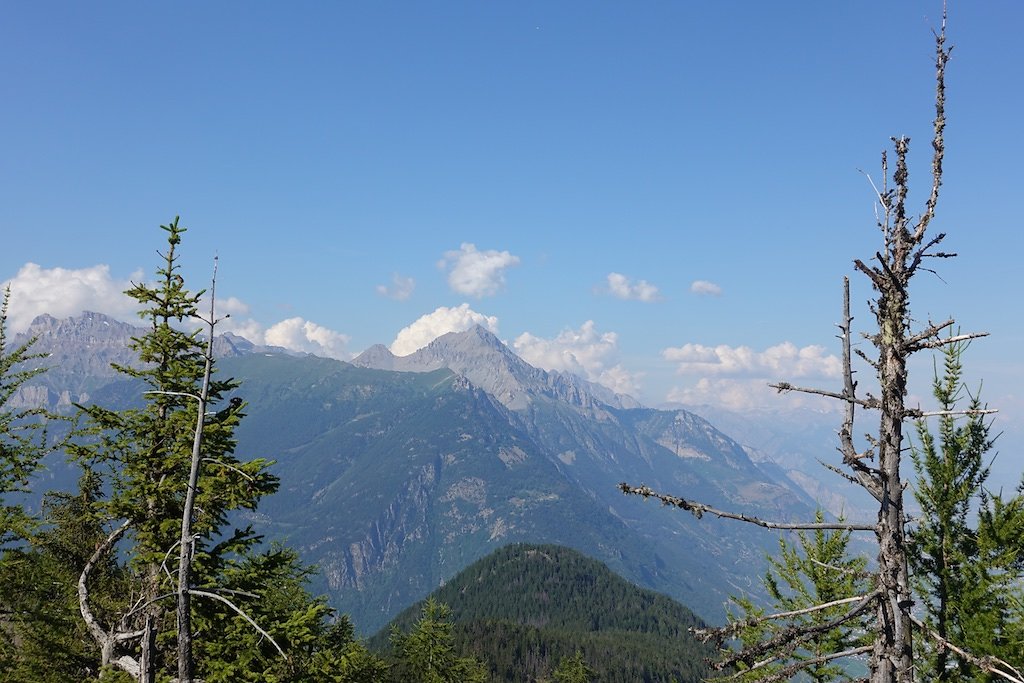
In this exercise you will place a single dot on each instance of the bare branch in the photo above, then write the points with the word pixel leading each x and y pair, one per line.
pixel 841 570
pixel 214 596
pixel 83 579
pixel 950 413
pixel 733 629
pixel 787 672
pixel 783 387
pixel 862 474
pixel 171 393
pixel 106 641
pixel 930 332
pixel 142 606
pixel 787 640
pixel 699 509
pixel 187 538
pixel 845 475
pixel 937 343
pixel 942 54
pixel 990 664
pixel 230 467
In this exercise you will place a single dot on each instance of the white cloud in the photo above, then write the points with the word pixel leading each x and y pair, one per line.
pixel 400 289
pixel 299 334
pixel 705 288
pixel 585 352
pixel 294 334
pixel 476 273
pixel 782 361
pixel 228 309
pixel 622 287
pixel 744 394
pixel 64 292
pixel 243 327
pixel 442 321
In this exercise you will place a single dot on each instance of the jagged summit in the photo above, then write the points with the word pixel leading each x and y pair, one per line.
pixel 378 357
pixel 79 351
pixel 483 359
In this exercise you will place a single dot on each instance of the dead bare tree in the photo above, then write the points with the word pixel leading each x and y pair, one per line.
pixel 907 244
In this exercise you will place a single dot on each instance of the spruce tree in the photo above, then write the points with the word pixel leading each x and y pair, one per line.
pixel 574 670
pixel 23 444
pixel 965 569
pixel 144 454
pixel 817 570
pixel 427 653
pixel 22 433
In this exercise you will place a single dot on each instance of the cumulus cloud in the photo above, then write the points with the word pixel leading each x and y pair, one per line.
pixel 783 360
pixel 299 334
pixel 400 289
pixel 621 287
pixel 744 394
pixel 443 320
pixel 705 288
pixel 476 273
pixel 294 334
pixel 585 352
pixel 64 292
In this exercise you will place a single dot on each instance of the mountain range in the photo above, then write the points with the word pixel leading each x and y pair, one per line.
pixel 398 472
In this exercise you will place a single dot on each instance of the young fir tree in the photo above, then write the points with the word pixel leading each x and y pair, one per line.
pixel 145 454
pixel 271 587
pixel 22 434
pixel 818 570
pixel 965 569
pixel 23 444
pixel 427 653
pixel 574 670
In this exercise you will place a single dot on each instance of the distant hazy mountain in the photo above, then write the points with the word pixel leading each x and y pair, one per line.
pixel 393 481
pixel 795 442
pixel 524 607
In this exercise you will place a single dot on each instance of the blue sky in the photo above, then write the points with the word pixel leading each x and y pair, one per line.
pixel 598 182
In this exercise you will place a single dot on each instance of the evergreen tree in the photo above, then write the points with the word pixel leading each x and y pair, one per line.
pixel 574 670
pixel 818 570
pixel 145 455
pixel 23 443
pixel 427 653
pixel 964 572
pixel 22 434
pixel 53 644
pixel 271 587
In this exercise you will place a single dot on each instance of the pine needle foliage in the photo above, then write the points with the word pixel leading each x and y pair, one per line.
pixel 967 549
pixel 816 570
pixel 23 434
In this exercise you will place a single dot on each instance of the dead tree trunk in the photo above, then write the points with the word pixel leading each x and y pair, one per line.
pixel 877 470
pixel 892 657
pixel 187 542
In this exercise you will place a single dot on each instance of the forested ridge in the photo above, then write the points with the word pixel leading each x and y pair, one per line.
pixel 525 608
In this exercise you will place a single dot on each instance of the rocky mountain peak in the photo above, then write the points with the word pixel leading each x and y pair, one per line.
pixel 377 356
pixel 483 359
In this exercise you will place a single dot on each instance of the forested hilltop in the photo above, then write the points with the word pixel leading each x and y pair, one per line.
pixel 524 609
